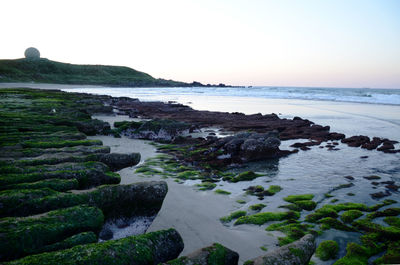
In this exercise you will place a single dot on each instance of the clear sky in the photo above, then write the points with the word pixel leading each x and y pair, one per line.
pixel 334 43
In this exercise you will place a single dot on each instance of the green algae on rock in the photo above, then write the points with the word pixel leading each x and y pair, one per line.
pixel 24 236
pixel 264 217
pixel 232 216
pixel 206 185
pixel 257 207
pixel 293 229
pixel 215 254
pixel 245 176
pixel 298 252
pixel 144 198
pixel 327 250
pixel 350 215
pixel 223 192
pixel 151 248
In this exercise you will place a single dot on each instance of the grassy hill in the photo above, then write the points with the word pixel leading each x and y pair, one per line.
pixel 47 71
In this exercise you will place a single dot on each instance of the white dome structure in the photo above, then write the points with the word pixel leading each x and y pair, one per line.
pixel 32 53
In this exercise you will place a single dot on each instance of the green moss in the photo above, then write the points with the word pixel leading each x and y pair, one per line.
pixel 350 215
pixel 392 255
pixel 306 204
pixel 79 239
pixel 241 201
pixel 334 200
pixel 257 207
pixel 327 195
pixel 386 212
pixel 390 233
pixel 248 262
pixel 142 249
pixel 372 241
pixel 292 207
pixel 59 144
pixel 330 210
pixel 293 230
pixel 263 248
pixel 329 222
pixel 327 250
pixel 54 184
pixel 206 185
pixel 190 174
pixel 379 205
pixel 272 190
pixel 232 216
pixel 295 198
pixel 23 236
pixel 146 170
pixel 393 221
pixel 355 255
pixel 245 176
pixel 262 218
pixel 216 255
pixel 223 192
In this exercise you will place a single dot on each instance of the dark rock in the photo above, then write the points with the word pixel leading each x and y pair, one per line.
pixel 117 161
pixel 92 127
pixel 380 194
pixel 296 253
pixel 106 234
pixel 216 254
pixel 356 141
pixel 349 177
pixel 158 129
pixel 372 177
pixel 261 148
pixel 392 187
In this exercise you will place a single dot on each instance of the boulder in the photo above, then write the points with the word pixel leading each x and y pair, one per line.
pixel 24 236
pixel 158 129
pixel 137 199
pixel 215 254
pixel 117 161
pixel 259 148
pixel 146 249
pixel 298 252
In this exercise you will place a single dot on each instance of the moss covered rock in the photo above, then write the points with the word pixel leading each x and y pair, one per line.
pixel 24 236
pixel 262 218
pixel 296 253
pixel 215 254
pixel 143 198
pixel 327 250
pixel 151 248
pixel 245 176
pixel 350 215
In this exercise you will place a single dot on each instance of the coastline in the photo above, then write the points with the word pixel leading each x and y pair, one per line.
pixel 189 211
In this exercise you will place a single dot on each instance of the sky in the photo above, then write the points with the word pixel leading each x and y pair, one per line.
pixel 326 43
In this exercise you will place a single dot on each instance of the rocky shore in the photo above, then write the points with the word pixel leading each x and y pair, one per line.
pixel 58 189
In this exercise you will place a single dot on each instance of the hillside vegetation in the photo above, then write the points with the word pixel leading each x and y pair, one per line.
pixel 47 71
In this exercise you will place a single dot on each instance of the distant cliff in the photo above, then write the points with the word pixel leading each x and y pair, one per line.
pixel 47 71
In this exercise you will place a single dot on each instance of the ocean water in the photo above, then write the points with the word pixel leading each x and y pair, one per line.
pixel 360 95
